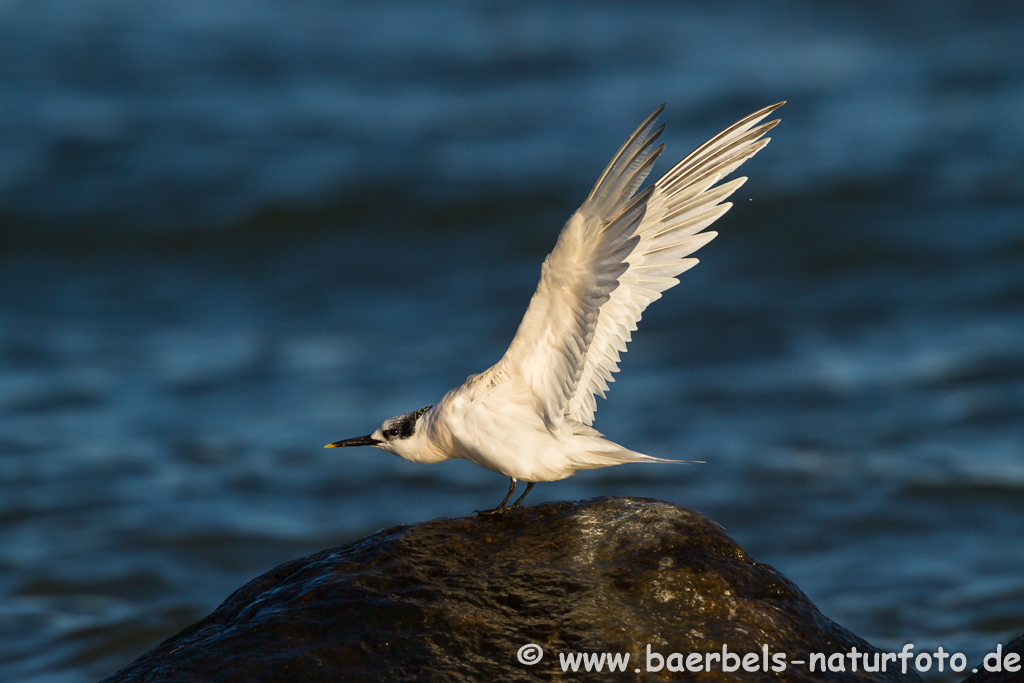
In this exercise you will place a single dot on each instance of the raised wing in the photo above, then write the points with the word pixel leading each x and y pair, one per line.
pixel 684 202
pixel 615 256
pixel 577 279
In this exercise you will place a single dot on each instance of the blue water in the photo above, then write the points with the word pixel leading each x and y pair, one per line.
pixel 231 234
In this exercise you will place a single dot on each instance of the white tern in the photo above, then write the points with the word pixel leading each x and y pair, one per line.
pixel 528 416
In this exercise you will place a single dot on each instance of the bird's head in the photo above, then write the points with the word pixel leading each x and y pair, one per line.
pixel 396 435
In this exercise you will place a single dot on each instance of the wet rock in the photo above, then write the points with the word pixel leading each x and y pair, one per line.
pixel 456 599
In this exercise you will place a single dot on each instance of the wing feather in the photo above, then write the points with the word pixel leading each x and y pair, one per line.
pixel 577 279
pixel 616 255
pixel 686 200
pixel 578 276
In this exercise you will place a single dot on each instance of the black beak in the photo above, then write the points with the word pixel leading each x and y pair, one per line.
pixel 367 440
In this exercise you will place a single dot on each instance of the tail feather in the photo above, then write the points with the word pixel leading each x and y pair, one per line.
pixel 589 460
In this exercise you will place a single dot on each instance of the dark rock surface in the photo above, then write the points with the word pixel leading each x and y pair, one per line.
pixel 455 599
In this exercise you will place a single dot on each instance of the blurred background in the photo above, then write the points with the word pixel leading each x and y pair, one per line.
pixel 233 232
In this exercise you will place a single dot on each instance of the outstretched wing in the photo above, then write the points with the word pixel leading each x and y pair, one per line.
pixel 578 277
pixel 684 202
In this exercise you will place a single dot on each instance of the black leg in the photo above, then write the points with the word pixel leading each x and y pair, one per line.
pixel 529 487
pixel 501 506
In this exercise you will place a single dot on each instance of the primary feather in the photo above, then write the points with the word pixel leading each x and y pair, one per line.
pixel 615 256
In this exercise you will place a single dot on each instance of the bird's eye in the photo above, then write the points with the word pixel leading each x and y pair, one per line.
pixel 391 433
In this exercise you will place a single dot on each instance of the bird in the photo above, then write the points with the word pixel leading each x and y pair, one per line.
pixel 529 416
